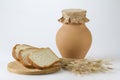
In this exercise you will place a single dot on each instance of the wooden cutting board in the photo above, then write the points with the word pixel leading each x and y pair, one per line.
pixel 18 68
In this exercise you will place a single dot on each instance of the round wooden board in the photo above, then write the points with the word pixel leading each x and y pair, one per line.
pixel 18 68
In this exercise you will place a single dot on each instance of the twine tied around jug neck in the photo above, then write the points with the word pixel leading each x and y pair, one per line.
pixel 73 16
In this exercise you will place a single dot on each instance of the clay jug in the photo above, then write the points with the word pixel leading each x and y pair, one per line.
pixel 73 39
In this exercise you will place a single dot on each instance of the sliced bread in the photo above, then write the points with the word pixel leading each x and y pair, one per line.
pixel 17 48
pixel 23 56
pixel 43 58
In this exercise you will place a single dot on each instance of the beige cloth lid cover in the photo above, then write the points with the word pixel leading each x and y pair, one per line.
pixel 73 16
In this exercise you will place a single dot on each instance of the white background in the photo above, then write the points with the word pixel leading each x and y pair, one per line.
pixel 34 22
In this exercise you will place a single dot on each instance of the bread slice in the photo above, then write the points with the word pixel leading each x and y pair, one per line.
pixel 43 58
pixel 17 48
pixel 23 56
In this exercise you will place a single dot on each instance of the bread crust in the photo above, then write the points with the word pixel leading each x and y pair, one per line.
pixel 21 59
pixel 14 53
pixel 45 67
pixel 22 62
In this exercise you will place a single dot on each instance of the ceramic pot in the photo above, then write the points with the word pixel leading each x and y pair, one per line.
pixel 73 39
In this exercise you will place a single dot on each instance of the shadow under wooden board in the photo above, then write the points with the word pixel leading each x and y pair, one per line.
pixel 18 68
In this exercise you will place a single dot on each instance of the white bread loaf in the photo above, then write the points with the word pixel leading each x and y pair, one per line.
pixel 43 58
pixel 23 56
pixel 17 48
